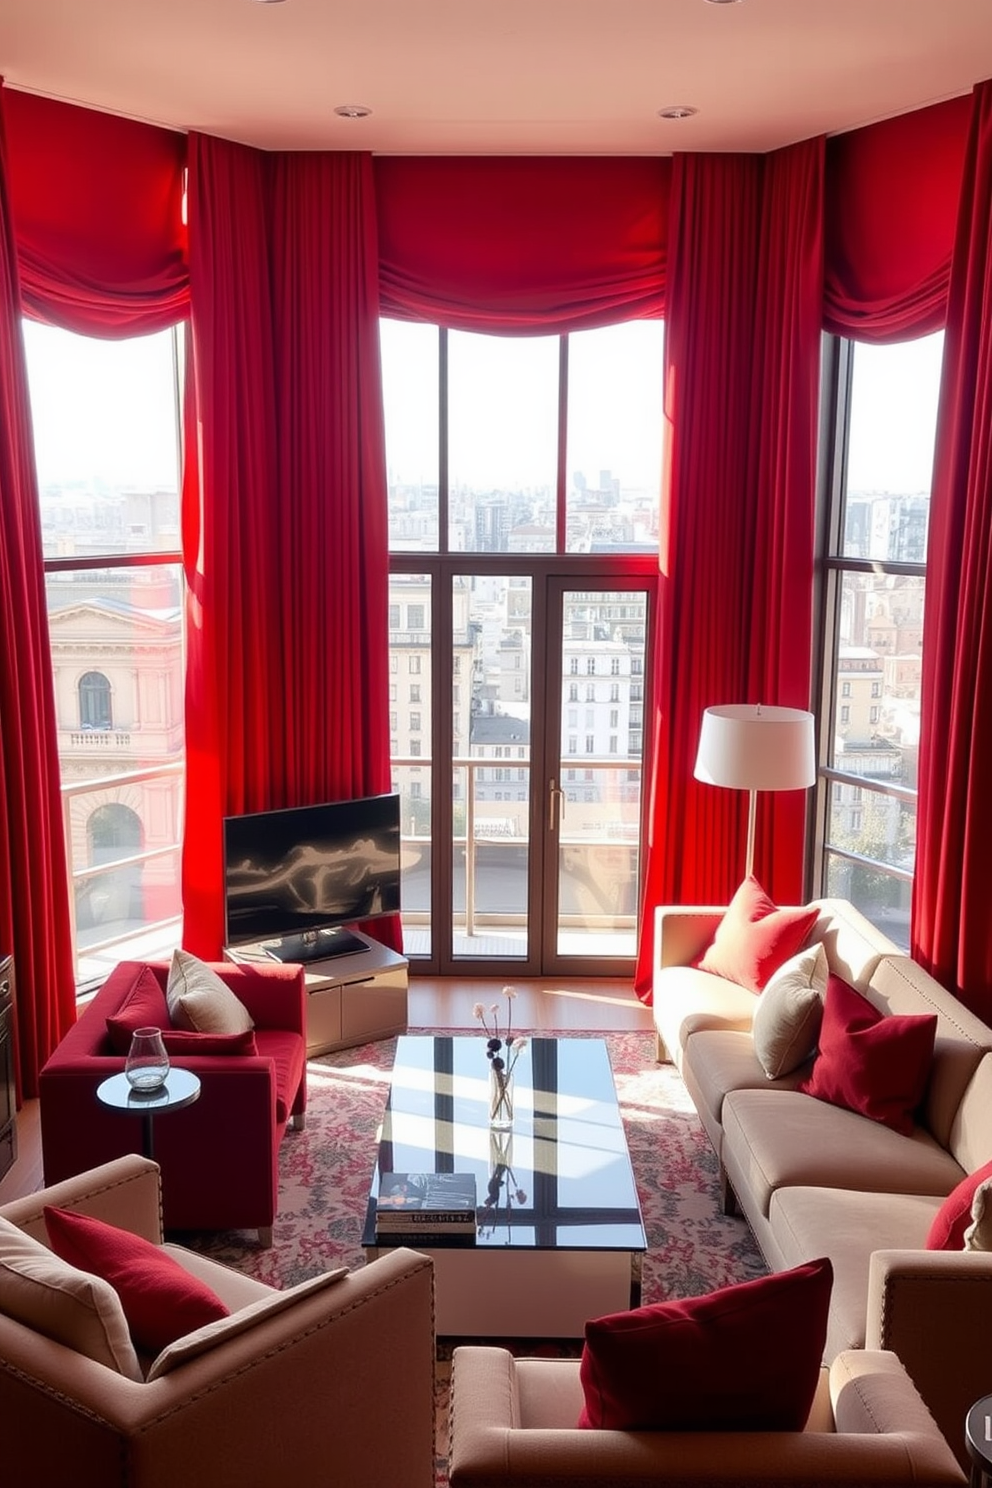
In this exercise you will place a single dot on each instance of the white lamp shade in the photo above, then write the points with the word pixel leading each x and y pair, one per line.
pixel 746 746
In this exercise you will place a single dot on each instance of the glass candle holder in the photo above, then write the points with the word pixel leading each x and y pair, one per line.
pixel 147 1064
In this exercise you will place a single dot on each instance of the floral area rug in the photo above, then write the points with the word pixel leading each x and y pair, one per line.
pixel 325 1173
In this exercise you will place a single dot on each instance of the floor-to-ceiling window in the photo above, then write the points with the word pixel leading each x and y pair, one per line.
pixel 879 435
pixel 105 418
pixel 524 480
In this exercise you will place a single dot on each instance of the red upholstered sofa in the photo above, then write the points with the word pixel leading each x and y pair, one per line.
pixel 220 1156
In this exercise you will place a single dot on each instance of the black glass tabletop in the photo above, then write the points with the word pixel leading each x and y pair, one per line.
pixel 558 1178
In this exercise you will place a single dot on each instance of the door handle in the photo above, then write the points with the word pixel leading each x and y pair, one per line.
pixel 556 805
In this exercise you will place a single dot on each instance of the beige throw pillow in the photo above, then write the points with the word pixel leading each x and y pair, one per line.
pixel 789 1011
pixel 200 1001
pixel 978 1235
pixel 70 1306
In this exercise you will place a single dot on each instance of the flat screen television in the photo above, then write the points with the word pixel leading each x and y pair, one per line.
pixel 295 879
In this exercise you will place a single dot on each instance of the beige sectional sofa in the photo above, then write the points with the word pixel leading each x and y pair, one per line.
pixel 815 1179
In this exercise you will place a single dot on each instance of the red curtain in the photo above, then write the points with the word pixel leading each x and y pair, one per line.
pixel 521 244
pixel 287 676
pixel 953 883
pixel 742 349
pixel 235 700
pixel 891 196
pixel 331 514
pixel 97 205
pixel 782 478
pixel 332 476
pixel 34 906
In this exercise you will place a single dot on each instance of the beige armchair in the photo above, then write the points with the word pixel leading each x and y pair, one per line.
pixel 934 1309
pixel 334 1385
pixel 513 1426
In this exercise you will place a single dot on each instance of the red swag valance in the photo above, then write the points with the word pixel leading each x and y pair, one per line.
pixel 98 221
pixel 522 244
pixel 890 207
pixel 513 244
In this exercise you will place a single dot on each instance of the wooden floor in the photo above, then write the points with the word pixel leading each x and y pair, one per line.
pixel 544 1004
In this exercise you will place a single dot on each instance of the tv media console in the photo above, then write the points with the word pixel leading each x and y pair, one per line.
pixel 350 999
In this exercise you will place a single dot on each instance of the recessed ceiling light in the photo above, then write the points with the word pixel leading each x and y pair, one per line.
pixel 352 111
pixel 677 111
pixel 723 2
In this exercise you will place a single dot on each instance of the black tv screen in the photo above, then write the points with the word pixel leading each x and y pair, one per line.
pixel 296 876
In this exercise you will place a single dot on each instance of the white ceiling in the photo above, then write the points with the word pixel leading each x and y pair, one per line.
pixel 500 76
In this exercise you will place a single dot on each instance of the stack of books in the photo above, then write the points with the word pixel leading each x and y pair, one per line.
pixel 425 1207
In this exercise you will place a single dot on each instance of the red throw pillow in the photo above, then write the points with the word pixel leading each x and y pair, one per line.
pixel 143 1006
pixel 954 1215
pixel 871 1063
pixel 161 1301
pixel 745 1358
pixel 184 1041
pixel 755 937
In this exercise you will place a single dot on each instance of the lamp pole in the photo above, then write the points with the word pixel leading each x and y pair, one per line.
pixel 751 812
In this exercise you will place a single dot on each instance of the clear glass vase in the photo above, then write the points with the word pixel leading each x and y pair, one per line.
pixel 147 1064
pixel 500 1098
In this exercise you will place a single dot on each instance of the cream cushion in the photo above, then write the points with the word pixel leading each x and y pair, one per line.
pixel 776 1138
pixel 211 1334
pixel 200 1001
pixel 789 1011
pixel 70 1306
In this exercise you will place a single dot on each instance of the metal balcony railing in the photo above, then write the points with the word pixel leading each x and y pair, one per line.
pixel 128 935
pixel 482 829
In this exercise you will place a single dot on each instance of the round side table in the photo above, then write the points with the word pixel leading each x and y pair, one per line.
pixel 181 1088
pixel 978 1437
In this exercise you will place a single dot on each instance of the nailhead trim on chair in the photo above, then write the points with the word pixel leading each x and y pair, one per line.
pixel 273 1353
pixel 103 1188
pixel 855 1382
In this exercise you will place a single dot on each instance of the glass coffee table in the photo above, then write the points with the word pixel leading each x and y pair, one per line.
pixel 560 1236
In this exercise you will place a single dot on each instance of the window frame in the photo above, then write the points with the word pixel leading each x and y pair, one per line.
pixel 831 567
pixel 131 943
pixel 541 567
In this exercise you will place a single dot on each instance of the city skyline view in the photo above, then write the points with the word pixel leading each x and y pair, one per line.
pixel 109 474
pixel 97 410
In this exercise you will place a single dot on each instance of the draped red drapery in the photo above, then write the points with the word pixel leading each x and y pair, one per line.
pixel 741 351
pixel 93 203
pixel 234 697
pixel 34 908
pixel 331 522
pixel 332 482
pixel 953 883
pixel 782 425
pixel 286 537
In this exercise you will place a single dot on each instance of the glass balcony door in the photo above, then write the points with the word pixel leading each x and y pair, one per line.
pixel 592 783
pixel 528 859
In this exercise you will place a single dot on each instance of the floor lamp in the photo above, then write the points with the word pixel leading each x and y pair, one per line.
pixel 745 746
